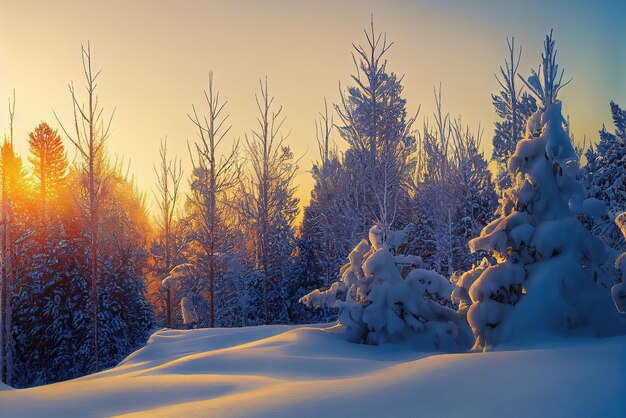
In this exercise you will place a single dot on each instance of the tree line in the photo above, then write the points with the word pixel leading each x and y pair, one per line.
pixel 87 273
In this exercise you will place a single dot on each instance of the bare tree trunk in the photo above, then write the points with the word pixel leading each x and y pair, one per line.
pixel 5 269
pixel 212 199
pixel 8 327
pixel 3 291
pixel 169 175
pixel 268 175
pixel 450 244
pixel 218 177
pixel 90 141
pixel 93 214
pixel 5 296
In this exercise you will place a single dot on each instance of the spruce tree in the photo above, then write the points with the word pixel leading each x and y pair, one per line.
pixel 605 179
pixel 373 122
pixel 322 245
pixel 547 275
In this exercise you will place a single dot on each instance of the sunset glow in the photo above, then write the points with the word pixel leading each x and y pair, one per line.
pixel 155 72
pixel 337 209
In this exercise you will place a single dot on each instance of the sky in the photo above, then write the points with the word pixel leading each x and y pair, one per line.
pixel 155 58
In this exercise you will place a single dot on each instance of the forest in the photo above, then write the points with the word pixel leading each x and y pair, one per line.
pixel 88 272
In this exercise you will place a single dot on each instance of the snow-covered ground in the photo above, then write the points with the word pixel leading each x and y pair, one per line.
pixel 287 371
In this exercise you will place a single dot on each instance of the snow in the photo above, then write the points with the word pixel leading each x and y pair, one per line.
pixel 189 313
pixel 310 371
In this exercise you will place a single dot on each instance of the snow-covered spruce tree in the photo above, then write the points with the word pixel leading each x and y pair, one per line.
pixel 547 276
pixel 374 124
pixel 476 199
pixel 513 106
pixel 382 297
pixel 453 194
pixel 605 179
pixel 124 314
pixel 619 290
pixel 434 198
pixel 230 292
pixel 322 244
pixel 48 299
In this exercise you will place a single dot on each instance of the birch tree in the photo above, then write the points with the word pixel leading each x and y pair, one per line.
pixel 169 174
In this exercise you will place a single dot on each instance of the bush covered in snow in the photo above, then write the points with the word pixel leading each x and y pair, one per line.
pixel 384 297
pixel 548 270
pixel 190 317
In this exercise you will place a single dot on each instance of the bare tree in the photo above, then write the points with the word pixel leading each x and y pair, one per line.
pixel 92 130
pixel 547 89
pixel 6 269
pixel 169 175
pixel 507 82
pixel 323 129
pixel 214 177
pixel 268 194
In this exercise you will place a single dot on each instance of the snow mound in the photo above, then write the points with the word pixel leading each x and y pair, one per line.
pixel 311 371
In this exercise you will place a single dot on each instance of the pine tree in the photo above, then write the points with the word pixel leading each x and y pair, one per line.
pixel 49 160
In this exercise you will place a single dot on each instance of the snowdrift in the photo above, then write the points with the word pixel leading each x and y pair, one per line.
pixel 286 371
